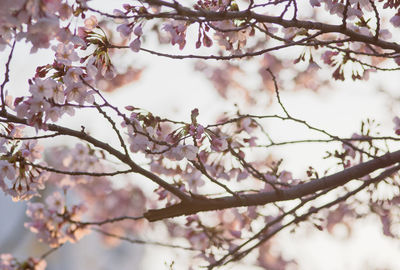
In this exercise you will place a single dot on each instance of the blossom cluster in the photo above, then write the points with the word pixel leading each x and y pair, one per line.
pixel 19 177
pixel 53 222
pixel 9 262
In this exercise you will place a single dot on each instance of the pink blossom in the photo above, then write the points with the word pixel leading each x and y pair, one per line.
pixel 193 178
pixel 177 31
pixel 91 68
pixel 65 54
pixel 178 153
pixel 73 76
pixel 78 92
pixel 30 150
pixel 119 13
pixel 37 105
pixel 138 142
pixel 57 91
pixel 219 144
pixel 41 32
pixel 189 151
pixel 8 171
pixel 196 130
pixel 247 124
pixel 108 71
pixel 54 113
pixel 56 202
pixel 40 88
pixel 50 226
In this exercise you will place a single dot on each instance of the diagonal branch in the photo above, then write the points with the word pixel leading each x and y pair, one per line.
pixel 263 198
pixel 261 18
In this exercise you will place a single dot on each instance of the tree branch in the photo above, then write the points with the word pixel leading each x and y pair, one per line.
pixel 105 146
pixel 334 180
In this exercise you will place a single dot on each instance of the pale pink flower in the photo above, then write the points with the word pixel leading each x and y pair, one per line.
pixel 40 33
pixel 68 110
pixel 189 151
pixel 16 131
pixel 40 88
pixel 91 68
pixel 65 54
pixel 175 153
pixel 73 76
pixel 193 178
pixel 108 72
pixel 177 31
pixel 52 228
pixel 247 125
pixel 76 92
pixel 270 177
pixel 56 202
pixel 138 142
pixel 219 144
pixel 22 109
pixel 57 91
pixel 31 150
pixel 38 104
pixel 7 170
pixel 54 113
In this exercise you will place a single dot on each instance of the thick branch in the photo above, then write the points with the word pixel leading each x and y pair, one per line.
pixel 250 15
pixel 262 198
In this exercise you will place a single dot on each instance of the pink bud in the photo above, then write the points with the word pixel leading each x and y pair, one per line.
pixel 207 41
pixel 138 31
pixel 135 45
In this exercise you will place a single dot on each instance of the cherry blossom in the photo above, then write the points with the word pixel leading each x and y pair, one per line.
pixel 177 31
pixel 8 262
pixel 221 186
pixel 51 221
pixel 65 54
